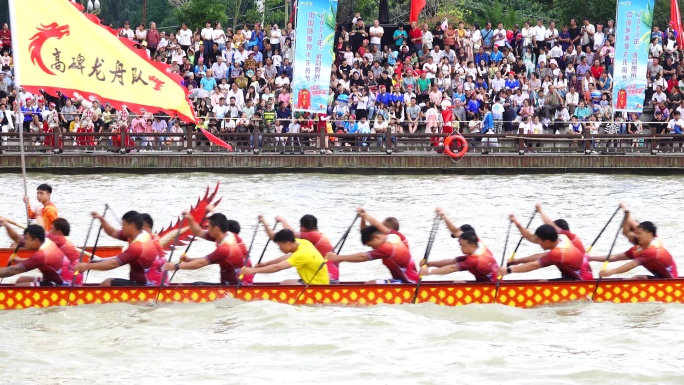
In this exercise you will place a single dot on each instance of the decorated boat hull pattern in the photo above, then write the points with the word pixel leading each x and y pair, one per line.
pixel 523 294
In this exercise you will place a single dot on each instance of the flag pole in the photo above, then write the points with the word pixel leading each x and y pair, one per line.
pixel 17 84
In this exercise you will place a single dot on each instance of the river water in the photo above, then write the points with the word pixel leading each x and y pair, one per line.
pixel 230 342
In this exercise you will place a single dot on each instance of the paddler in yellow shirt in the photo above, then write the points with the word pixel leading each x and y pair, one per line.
pixel 300 254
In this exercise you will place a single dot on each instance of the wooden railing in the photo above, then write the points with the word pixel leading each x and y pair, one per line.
pixel 269 143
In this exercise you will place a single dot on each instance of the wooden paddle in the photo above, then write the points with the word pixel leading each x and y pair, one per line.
pixel 173 248
pixel 503 256
pixel 428 249
pixel 249 251
pixel 194 236
pixel 97 239
pixel 266 246
pixel 605 263
pixel 11 222
pixel 602 230
pixel 80 259
pixel 498 281
pixel 337 250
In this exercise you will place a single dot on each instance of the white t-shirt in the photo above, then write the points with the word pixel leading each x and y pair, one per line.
pixel 220 111
pixel 128 33
pixel 427 67
pixel 500 40
pixel 671 125
pixel 280 81
pixel 207 33
pixel 275 36
pixel 536 128
pixel 376 39
pixel 539 33
pixel 218 36
pixel 552 35
pixel 184 37
pixel 525 128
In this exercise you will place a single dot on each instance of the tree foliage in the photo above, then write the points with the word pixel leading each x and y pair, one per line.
pixel 594 10
pixel 197 12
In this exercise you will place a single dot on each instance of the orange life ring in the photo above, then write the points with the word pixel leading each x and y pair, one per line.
pixel 461 142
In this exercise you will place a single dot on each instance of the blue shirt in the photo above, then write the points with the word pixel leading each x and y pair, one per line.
pixel 487 37
pixel 460 97
pixel 482 56
pixel 383 98
pixel 403 35
pixel 512 84
pixel 208 84
pixel 473 106
pixel 487 122
pixel 496 56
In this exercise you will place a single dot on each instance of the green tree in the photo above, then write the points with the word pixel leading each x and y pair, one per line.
pixel 594 10
pixel 197 12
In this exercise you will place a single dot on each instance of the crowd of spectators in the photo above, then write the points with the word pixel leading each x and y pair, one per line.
pixel 535 78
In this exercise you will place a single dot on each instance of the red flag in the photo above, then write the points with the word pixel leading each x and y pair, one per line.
pixel 417 6
pixel 215 139
pixel 676 22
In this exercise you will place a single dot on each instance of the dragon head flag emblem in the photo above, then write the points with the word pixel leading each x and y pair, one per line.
pixel 37 41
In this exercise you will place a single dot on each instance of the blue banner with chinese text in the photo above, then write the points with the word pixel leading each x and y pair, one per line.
pixel 313 59
pixel 632 37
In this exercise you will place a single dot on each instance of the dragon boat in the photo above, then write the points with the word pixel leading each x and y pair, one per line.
pixel 524 294
pixel 520 293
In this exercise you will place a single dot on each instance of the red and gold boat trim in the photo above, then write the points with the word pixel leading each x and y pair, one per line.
pixel 523 294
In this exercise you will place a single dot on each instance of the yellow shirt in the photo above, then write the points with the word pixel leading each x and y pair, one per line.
pixel 307 260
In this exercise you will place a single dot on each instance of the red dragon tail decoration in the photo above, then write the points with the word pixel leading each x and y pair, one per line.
pixel 167 235
pixel 37 41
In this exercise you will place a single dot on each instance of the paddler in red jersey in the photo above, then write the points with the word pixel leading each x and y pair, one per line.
pixel 308 229
pixel 454 230
pixel 230 253
pixel 148 225
pixel 59 234
pixel 48 213
pixel 48 259
pixel 477 259
pixel 649 253
pixel 388 245
pixel 389 225
pixel 559 252
pixel 629 226
pixel 141 255
pixel 561 226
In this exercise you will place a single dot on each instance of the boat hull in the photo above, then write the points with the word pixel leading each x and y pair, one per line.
pixel 524 294
pixel 102 251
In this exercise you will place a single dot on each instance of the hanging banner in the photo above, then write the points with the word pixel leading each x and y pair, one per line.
pixel 632 37
pixel 315 34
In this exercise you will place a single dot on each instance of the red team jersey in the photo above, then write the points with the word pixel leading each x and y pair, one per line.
pixel 396 257
pixel 322 244
pixel 655 259
pixel 230 255
pixel 481 264
pixel 70 251
pixel 568 259
pixel 576 241
pixel 143 257
pixel 51 262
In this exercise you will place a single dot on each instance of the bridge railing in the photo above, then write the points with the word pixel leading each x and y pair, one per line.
pixel 323 142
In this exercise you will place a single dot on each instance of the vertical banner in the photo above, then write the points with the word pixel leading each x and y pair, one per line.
pixel 315 35
pixel 632 37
